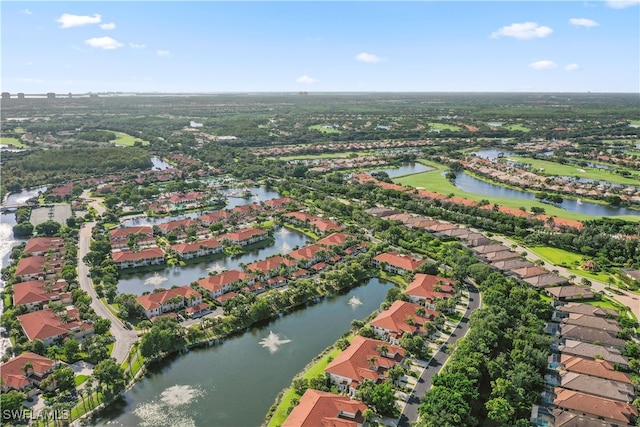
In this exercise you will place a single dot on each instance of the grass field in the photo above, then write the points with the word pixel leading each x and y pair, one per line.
pixel 557 256
pixel 434 181
pixel 635 122
pixel 323 129
pixel 127 140
pixel 443 126
pixel 12 141
pixel 517 127
pixel 557 169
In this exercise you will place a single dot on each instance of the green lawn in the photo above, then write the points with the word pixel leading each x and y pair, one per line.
pixel 12 141
pixel 634 122
pixel 80 379
pixel 517 127
pixel 280 415
pixel 443 126
pixel 556 169
pixel 434 181
pixel 323 129
pixel 127 140
pixel 557 256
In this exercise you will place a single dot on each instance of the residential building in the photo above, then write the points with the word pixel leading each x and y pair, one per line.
pixel 335 240
pixel 221 283
pixel 546 280
pixel 606 409
pixel 588 310
pixel 36 267
pixel 403 318
pixel 570 293
pixel 142 258
pixel 53 327
pixel 396 263
pixel 309 255
pixel 587 384
pixel 425 289
pixel 244 237
pixel 592 351
pixel 15 377
pixel 172 299
pixel 320 408
pixel 42 245
pixel 142 236
pixel 197 249
pixel 271 266
pixel 34 294
pixel 362 360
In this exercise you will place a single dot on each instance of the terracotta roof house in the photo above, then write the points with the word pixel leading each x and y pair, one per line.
pixel 512 264
pixel 309 255
pixel 439 227
pixel 45 325
pixel 606 409
pixel 13 374
pixel 320 408
pixel 554 417
pixel 144 257
pixel 120 236
pixel 180 225
pixel 595 368
pixel 271 266
pixel 590 335
pixel 244 237
pixel 226 297
pixel 527 272
pixel 211 218
pixel 300 218
pixel 172 299
pixel 426 289
pixel 36 267
pixel 587 309
pixel 593 352
pixel 361 361
pixel 35 293
pixel 335 239
pixel 197 249
pixel 221 283
pixel 325 226
pixel 42 245
pixel 546 280
pixel 280 203
pixel 397 263
pixel 601 387
pixel 198 310
pixel 570 293
pixel 400 318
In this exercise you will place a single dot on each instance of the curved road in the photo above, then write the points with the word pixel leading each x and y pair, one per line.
pixel 410 412
pixel 124 338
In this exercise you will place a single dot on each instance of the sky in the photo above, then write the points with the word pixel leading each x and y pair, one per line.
pixel 326 46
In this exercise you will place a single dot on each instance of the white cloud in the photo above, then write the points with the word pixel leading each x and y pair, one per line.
pixel 28 64
pixel 583 22
pixel 26 12
pixel 621 4
pixel 369 57
pixel 523 31
pixel 67 20
pixel 137 46
pixel 30 80
pixel 163 52
pixel 572 67
pixel 543 65
pixel 104 43
pixel 109 26
pixel 306 80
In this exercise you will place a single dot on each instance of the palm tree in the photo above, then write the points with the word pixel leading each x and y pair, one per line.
pixel 372 361
pixel 26 367
pixel 382 349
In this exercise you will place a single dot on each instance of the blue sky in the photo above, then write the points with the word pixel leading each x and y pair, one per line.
pixel 209 46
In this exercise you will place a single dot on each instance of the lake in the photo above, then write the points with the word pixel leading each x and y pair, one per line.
pixel 235 383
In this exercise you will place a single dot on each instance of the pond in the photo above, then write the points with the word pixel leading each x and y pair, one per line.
pixel 405 169
pixel 492 153
pixel 159 164
pixel 476 186
pixel 235 383
pixel 137 283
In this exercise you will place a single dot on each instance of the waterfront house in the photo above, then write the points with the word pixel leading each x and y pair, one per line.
pixel 425 289
pixel 142 236
pixel 221 283
pixel 244 237
pixel 270 267
pixel 142 258
pixel 197 249
pixel 172 299
pixel 43 245
pixel 403 318
pixel 320 408
pixel 364 359
pixel 396 263
pixel 309 255
pixel 24 371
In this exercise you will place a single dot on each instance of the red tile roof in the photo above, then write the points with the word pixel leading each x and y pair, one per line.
pixel 598 406
pixel 185 248
pixel 335 239
pixel 12 372
pixel 325 225
pixel 323 409
pixel 353 362
pixel 157 299
pixel 122 233
pixel 395 318
pixel 218 281
pixel 35 291
pixel 405 262
pixel 45 324
pixel 30 265
pixel 595 368
pixel 270 264
pixel 307 252
pixel 43 244
pixel 148 253
pixel 244 234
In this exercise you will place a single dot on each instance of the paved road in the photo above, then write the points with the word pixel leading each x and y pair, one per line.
pixel 410 412
pixel 124 338
pixel 628 299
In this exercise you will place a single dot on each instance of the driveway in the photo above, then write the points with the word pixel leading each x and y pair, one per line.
pixel 410 411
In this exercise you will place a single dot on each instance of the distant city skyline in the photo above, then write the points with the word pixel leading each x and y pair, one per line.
pixel 265 46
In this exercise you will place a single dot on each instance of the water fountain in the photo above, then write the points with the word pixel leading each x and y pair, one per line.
pixel 272 342
pixel 354 301
pixel 155 280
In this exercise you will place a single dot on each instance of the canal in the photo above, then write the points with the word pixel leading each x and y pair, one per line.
pixel 235 383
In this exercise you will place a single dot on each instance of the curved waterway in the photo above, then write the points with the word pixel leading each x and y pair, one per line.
pixel 476 186
pixel 235 383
